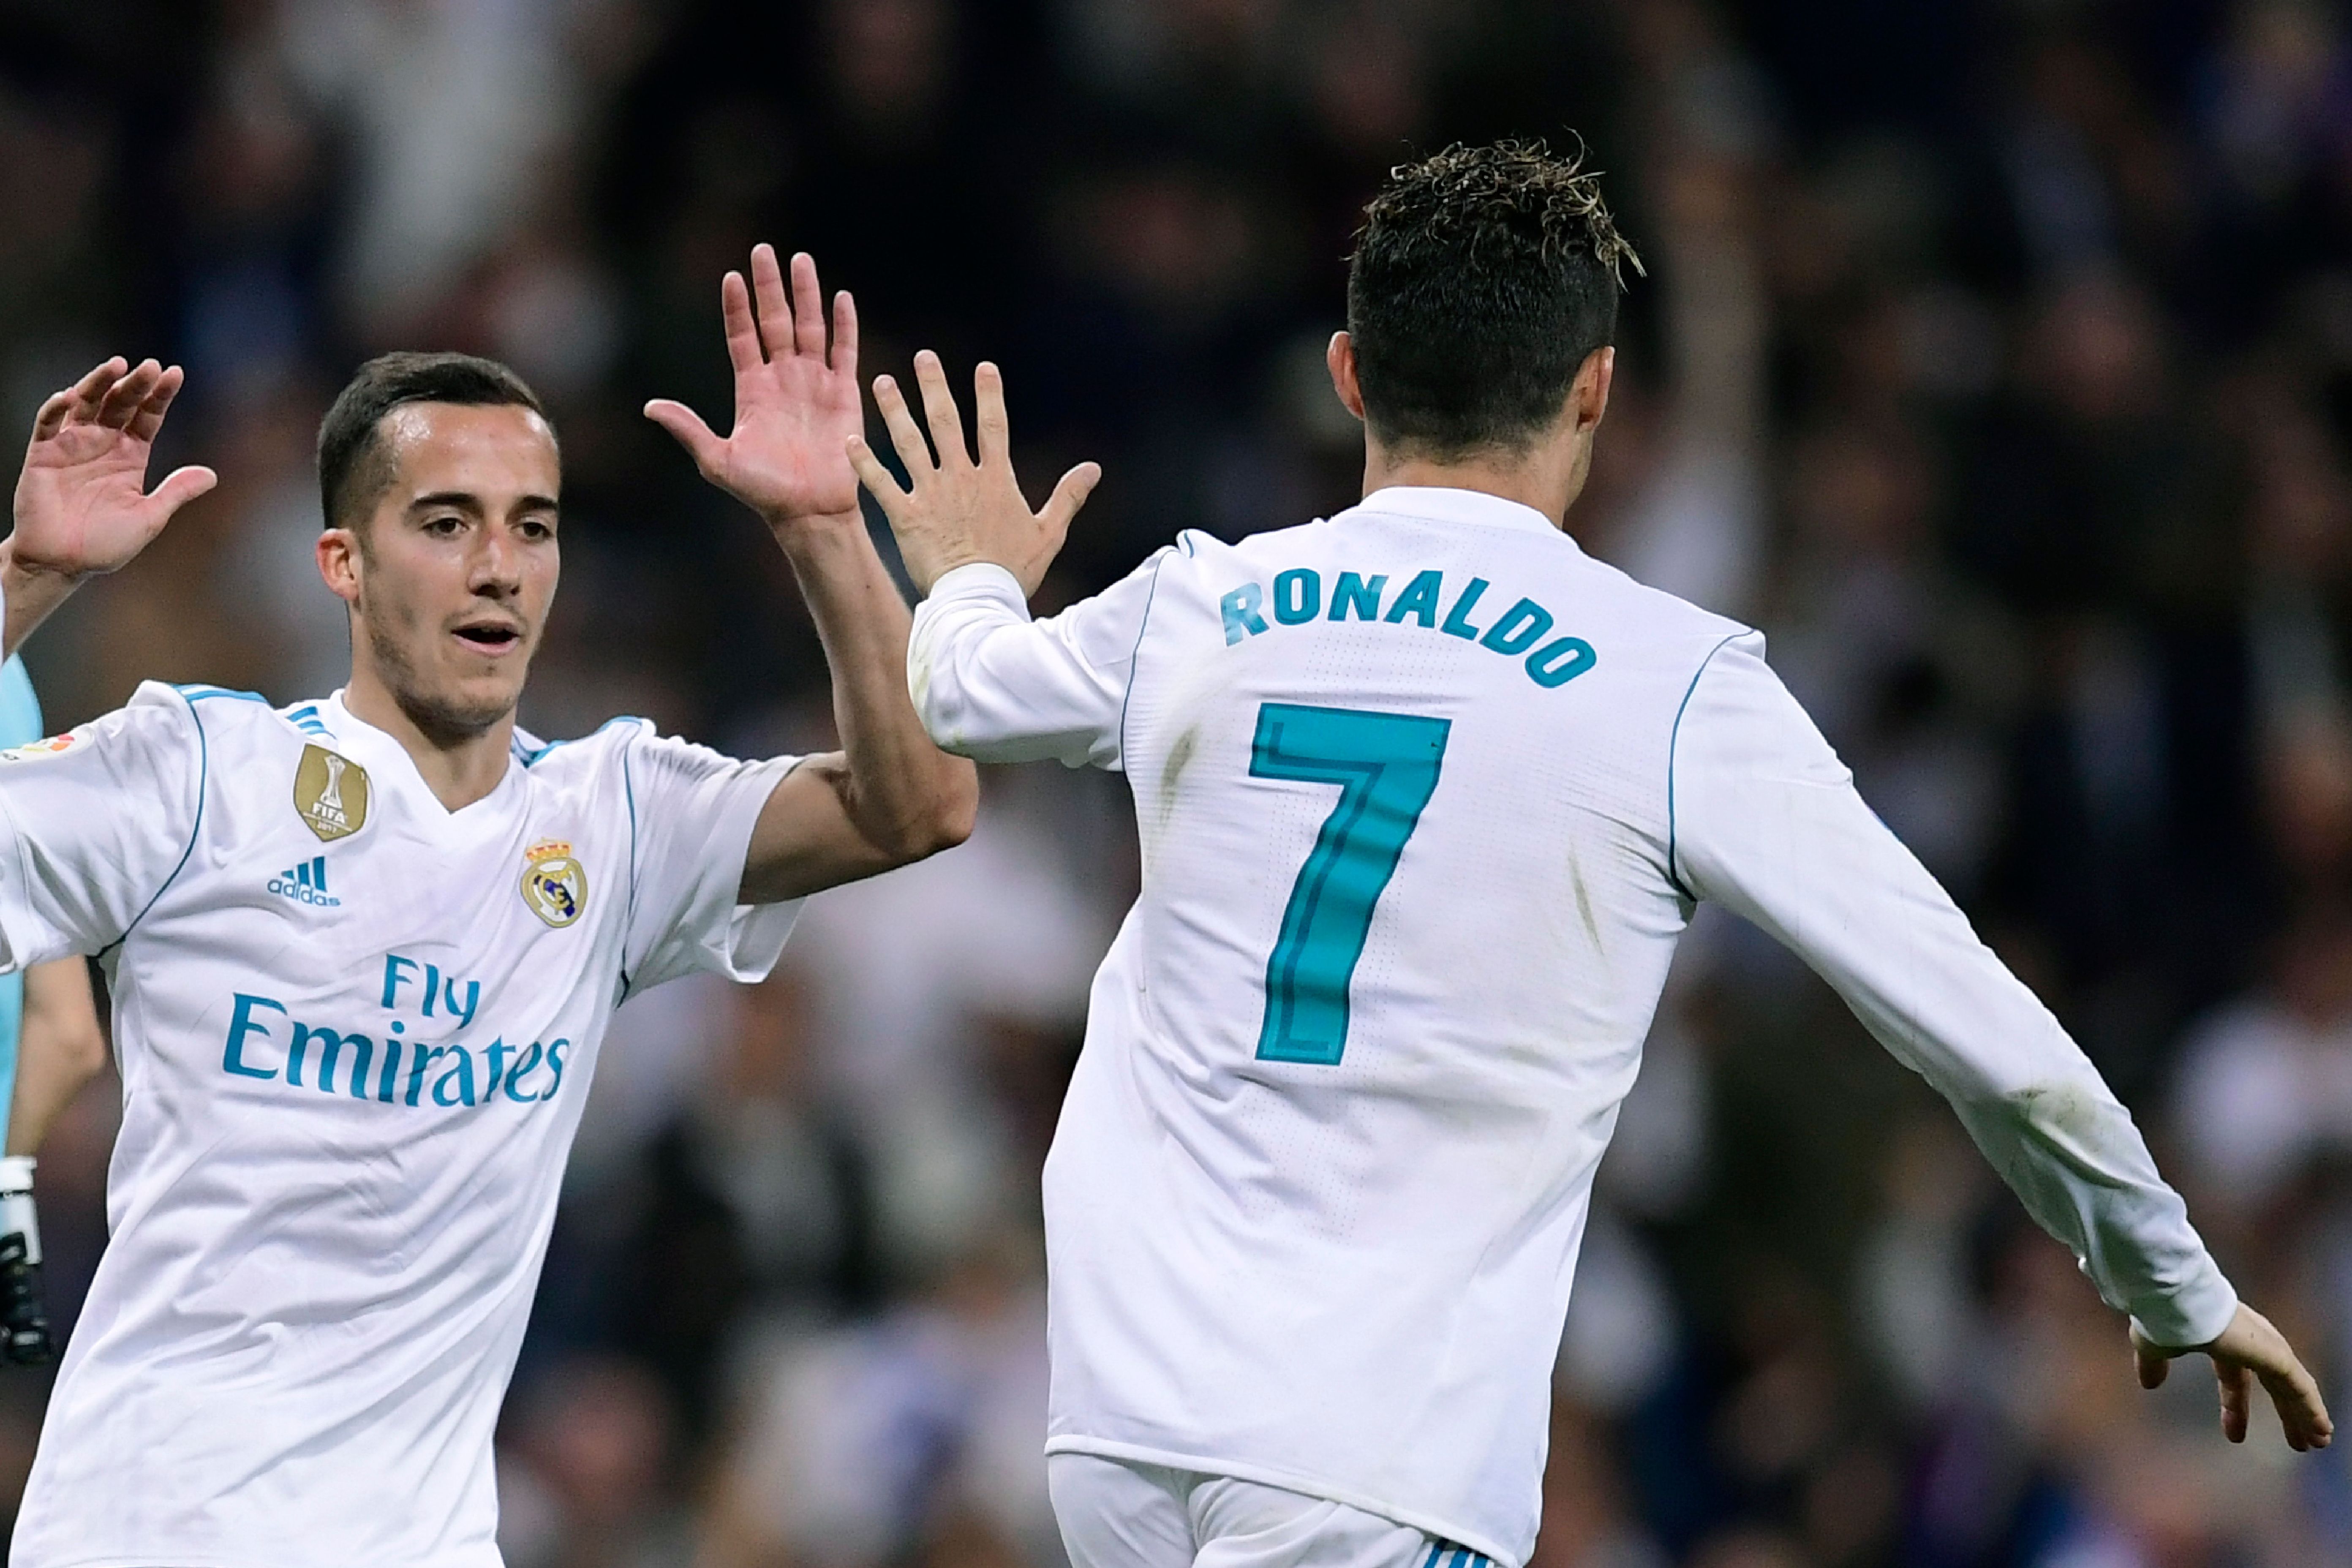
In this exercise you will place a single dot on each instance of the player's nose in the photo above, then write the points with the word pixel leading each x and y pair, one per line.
pixel 497 566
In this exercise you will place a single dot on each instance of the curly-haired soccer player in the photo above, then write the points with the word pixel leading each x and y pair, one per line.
pixel 1426 797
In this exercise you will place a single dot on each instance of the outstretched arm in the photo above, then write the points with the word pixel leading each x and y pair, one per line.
pixel 888 796
pixel 82 504
pixel 1766 821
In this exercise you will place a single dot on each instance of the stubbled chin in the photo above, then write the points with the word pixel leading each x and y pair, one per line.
pixel 465 702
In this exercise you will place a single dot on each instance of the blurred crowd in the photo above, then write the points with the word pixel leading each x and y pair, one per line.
pixel 1995 357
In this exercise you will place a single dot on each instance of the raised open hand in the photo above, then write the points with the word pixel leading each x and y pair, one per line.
pixel 794 403
pixel 2250 1350
pixel 82 502
pixel 959 512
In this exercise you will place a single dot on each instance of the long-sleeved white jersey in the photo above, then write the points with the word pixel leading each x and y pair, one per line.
pixel 1426 796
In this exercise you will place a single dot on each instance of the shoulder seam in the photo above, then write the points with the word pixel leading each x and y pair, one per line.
pixel 1673 737
pixel 528 758
pixel 197 693
pixel 195 829
pixel 1143 624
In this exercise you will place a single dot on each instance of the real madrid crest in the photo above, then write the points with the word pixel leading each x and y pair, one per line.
pixel 330 792
pixel 555 884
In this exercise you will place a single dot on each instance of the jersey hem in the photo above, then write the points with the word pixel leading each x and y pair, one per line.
pixel 1432 1525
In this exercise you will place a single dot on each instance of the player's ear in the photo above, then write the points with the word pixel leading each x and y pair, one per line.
pixel 1340 359
pixel 1587 397
pixel 341 563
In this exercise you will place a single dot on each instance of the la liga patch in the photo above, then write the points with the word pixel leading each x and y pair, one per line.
pixel 36 750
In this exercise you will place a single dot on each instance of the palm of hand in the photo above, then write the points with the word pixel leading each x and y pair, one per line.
pixel 787 455
pixel 79 501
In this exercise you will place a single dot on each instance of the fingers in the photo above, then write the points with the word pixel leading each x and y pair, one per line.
pixel 904 434
pixel 87 398
pixel 180 487
pixel 742 334
pixel 121 403
pixel 51 417
pixel 875 478
pixel 2154 1366
pixel 2301 1412
pixel 808 305
pixel 2237 1390
pixel 939 409
pixel 988 408
pixel 1069 496
pixel 844 337
pixel 90 390
pixel 149 417
pixel 767 292
pixel 700 442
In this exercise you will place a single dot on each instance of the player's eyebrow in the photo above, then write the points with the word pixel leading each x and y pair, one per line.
pixel 468 501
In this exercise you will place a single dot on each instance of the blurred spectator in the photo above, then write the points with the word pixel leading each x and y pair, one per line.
pixel 755 1204
pixel 586 1477
pixel 907 970
pixel 920 1431
pixel 2266 1084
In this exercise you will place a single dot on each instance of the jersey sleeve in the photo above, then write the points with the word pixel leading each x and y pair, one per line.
pixel 1765 820
pixel 691 815
pixel 93 823
pixel 993 685
pixel 20 707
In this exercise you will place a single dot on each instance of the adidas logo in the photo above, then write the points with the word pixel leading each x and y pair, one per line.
pixel 306 884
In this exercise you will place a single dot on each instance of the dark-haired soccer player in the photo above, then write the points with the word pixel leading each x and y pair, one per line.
pixel 1426 796
pixel 364 949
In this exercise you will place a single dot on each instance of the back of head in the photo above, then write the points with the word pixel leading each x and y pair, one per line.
pixel 1482 279
pixel 355 466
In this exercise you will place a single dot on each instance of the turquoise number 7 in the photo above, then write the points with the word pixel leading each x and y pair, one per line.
pixel 1386 767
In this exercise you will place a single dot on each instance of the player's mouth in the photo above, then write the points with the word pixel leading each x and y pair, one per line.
pixel 491 638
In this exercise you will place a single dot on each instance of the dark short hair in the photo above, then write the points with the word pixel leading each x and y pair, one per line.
pixel 1482 278
pixel 354 467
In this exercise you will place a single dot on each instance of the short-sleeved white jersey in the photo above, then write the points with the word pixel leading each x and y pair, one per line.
pixel 1426 797
pixel 355 1031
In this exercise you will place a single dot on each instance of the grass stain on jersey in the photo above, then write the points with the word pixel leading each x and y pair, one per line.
pixel 1180 757
pixel 1584 902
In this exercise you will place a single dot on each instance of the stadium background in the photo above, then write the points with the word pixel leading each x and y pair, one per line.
pixel 1995 358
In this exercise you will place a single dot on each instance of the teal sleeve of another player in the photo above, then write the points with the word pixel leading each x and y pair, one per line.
pixel 20 725
pixel 20 711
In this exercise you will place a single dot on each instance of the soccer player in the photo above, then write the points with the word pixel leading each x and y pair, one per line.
pixel 363 948
pixel 1426 796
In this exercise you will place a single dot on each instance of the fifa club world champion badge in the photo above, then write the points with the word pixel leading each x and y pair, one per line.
pixel 330 792
pixel 555 884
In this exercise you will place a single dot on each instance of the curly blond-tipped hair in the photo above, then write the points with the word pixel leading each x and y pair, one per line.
pixel 1474 193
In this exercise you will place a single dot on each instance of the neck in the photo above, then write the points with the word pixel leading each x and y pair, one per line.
pixel 459 767
pixel 1546 477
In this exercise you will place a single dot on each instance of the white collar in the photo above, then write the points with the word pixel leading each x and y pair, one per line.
pixel 382 751
pixel 1437 503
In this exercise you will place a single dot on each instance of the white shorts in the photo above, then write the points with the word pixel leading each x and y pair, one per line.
pixel 1117 1514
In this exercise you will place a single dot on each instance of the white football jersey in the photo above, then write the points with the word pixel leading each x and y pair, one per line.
pixel 356 1032
pixel 1426 796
